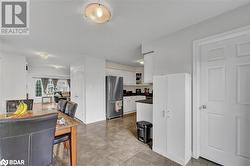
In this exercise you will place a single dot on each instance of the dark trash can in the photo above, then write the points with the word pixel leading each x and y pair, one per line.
pixel 143 131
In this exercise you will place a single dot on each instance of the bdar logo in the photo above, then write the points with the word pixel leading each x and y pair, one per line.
pixel 4 162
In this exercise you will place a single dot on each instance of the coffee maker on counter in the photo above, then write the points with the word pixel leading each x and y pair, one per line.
pixel 146 91
pixel 138 91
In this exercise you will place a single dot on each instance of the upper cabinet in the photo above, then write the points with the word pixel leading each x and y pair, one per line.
pixel 148 67
pixel 132 76
pixel 129 77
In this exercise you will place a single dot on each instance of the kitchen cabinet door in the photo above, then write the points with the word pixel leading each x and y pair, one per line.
pixel 131 102
pixel 148 68
pixel 125 105
pixel 179 117
pixel 134 102
pixel 159 115
pixel 141 97
pixel 172 117
pixel 129 77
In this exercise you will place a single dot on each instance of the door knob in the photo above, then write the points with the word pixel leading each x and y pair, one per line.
pixel 203 107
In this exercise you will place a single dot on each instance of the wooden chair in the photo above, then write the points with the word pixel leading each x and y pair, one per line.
pixel 69 109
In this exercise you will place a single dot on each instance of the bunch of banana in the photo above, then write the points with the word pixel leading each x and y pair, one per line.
pixel 21 109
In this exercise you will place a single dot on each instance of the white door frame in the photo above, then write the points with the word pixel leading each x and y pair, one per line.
pixel 196 79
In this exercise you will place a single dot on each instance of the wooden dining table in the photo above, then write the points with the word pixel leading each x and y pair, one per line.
pixel 69 127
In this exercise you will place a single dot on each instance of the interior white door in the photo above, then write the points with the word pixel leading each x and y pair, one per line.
pixel 77 91
pixel 159 114
pixel 225 95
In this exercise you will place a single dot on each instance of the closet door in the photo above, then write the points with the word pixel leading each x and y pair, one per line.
pixel 77 90
pixel 176 122
pixel 159 114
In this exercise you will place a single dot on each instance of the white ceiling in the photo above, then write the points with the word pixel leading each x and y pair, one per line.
pixel 58 27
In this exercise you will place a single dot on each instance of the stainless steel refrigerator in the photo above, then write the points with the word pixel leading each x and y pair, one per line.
pixel 114 97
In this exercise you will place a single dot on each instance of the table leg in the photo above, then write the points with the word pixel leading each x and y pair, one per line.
pixel 73 148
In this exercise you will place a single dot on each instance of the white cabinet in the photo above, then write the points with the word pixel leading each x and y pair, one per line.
pixel 129 103
pixel 144 112
pixel 129 77
pixel 172 117
pixel 126 104
pixel 148 68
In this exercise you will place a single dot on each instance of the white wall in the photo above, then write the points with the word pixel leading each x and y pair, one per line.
pixel 13 78
pixel 111 65
pixel 92 101
pixel 48 72
pixel 173 53
pixel 95 89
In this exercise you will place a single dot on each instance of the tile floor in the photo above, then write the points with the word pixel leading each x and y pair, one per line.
pixel 113 143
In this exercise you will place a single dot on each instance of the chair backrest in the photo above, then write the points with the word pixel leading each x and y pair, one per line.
pixel 58 93
pixel 11 105
pixel 61 105
pixel 29 139
pixel 71 109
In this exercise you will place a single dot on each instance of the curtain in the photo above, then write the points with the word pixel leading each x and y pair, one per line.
pixel 68 80
pixel 54 80
pixel 45 82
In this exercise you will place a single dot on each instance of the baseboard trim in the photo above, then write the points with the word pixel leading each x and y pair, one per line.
pixel 129 113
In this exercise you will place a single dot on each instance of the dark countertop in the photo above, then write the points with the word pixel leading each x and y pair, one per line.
pixel 147 101
pixel 134 94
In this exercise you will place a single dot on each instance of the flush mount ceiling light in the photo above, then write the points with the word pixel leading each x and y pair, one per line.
pixel 44 55
pixel 97 12
pixel 141 61
pixel 57 66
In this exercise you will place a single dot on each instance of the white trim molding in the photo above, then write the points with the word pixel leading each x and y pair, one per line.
pixel 196 79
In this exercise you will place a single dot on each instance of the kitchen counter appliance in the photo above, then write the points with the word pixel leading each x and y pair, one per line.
pixel 114 97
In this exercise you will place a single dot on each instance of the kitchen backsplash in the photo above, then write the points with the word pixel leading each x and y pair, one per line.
pixel 133 88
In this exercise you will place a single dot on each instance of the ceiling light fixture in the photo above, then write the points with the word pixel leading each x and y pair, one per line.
pixel 44 55
pixel 57 66
pixel 141 61
pixel 97 12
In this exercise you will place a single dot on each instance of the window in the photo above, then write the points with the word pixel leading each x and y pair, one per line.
pixel 38 88
pixel 62 86
pixel 50 87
